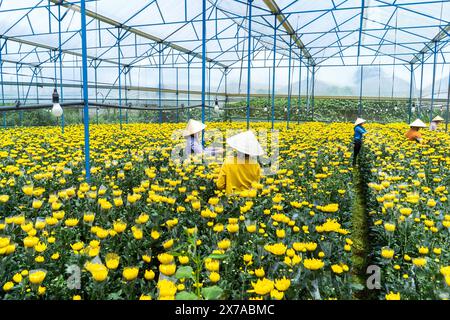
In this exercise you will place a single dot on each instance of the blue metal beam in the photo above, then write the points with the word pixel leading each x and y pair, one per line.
pixel 299 88
pixel 273 68
pixel 273 6
pixel 61 90
pixel 448 103
pixel 411 79
pixel 313 83
pixel 1 81
pixel 361 27
pixel 177 95
pixel 308 98
pixel 289 89
pixel 189 88
pixel 249 61
pixel 85 91
pixel 360 91
pixel 160 81
pixel 119 54
pixel 130 29
pixel 435 52
pixel 203 65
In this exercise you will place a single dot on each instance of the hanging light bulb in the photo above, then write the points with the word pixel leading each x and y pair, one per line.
pixel 57 111
pixel 265 109
pixel 285 109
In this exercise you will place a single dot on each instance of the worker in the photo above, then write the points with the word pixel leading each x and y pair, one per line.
pixel 435 123
pixel 359 131
pixel 193 145
pixel 413 133
pixel 241 170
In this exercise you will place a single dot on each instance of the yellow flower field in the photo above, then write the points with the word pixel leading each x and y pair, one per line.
pixel 147 227
pixel 410 212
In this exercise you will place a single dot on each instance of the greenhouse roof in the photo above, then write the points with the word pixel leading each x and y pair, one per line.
pixel 323 33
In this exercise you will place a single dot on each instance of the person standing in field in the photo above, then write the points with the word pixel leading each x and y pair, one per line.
pixel 240 171
pixel 434 124
pixel 413 133
pixel 359 132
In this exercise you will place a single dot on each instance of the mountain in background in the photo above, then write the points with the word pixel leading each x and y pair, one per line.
pixel 374 84
pixel 384 84
pixel 440 88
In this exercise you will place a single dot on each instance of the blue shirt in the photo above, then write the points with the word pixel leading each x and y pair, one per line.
pixel 359 131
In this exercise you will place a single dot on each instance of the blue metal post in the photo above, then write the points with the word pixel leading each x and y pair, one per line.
pixel 18 94
pixel 361 22
pixel 209 92
pixel 299 87
pixel 307 90
pixel 313 80
pixel 273 69
pixel 289 85
pixel 160 82
pixel 37 93
pixel 421 85
pixel 189 90
pixel 448 103
pixel 203 64
pixel 127 70
pixel 268 94
pixel 96 89
pixel 85 90
pixel 249 59
pixel 178 111
pixel 1 83
pixel 434 79
pixel 226 94
pixel 410 91
pixel 61 92
pixel 120 77
pixel 360 92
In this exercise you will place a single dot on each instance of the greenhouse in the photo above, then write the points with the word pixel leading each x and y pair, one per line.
pixel 224 150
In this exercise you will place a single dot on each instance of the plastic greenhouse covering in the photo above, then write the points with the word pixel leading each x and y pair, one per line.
pixel 158 44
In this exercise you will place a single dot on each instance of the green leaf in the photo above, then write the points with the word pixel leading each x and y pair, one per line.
pixel 212 293
pixel 184 272
pixel 186 296
pixel 357 286
pixel 217 256
pixel 114 295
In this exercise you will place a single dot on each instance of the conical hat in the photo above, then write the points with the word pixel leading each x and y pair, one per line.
pixel 438 118
pixel 418 124
pixel 246 143
pixel 193 127
pixel 359 121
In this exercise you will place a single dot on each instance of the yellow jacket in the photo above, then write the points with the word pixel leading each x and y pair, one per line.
pixel 236 177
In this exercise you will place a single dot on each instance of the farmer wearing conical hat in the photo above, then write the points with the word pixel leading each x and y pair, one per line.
pixel 239 172
pixel 359 131
pixel 435 123
pixel 413 133
pixel 193 145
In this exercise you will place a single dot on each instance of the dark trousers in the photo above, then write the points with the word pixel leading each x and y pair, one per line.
pixel 357 148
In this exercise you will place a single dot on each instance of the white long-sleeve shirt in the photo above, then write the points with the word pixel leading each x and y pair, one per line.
pixel 193 146
pixel 433 126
